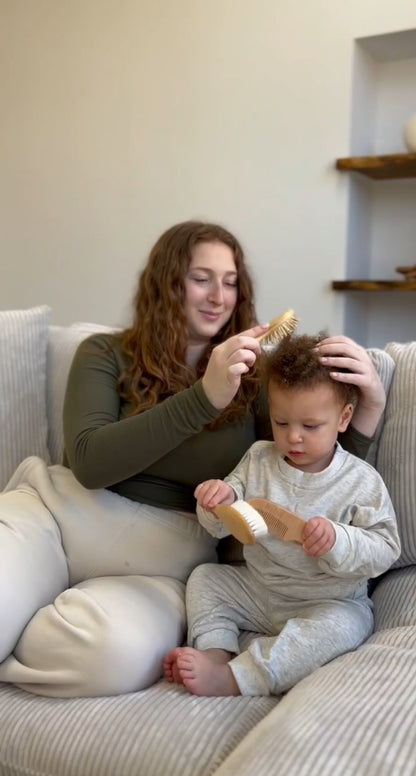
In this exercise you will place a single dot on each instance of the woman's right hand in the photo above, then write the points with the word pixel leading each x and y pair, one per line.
pixel 228 362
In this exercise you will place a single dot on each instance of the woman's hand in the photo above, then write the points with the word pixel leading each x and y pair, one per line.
pixel 228 362
pixel 343 353
pixel 213 492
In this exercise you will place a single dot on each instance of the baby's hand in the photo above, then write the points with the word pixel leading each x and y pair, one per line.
pixel 318 536
pixel 212 492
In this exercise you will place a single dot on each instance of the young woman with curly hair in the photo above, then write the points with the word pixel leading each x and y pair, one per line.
pixel 150 412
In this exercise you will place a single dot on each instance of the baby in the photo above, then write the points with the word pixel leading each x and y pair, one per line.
pixel 259 628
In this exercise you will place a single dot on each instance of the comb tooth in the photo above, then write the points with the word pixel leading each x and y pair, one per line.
pixel 281 522
pixel 278 527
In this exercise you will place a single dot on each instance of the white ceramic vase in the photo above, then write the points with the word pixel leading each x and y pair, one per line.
pixel 409 134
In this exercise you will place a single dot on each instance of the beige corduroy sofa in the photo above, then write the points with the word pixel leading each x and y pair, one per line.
pixel 355 716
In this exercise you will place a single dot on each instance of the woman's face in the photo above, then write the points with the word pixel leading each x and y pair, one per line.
pixel 210 290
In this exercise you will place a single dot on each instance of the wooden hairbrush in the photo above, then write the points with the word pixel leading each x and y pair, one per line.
pixel 242 520
pixel 279 328
pixel 250 520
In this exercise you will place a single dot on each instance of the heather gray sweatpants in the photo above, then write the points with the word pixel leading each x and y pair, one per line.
pixel 290 638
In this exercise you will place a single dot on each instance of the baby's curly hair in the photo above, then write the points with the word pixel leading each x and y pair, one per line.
pixel 295 364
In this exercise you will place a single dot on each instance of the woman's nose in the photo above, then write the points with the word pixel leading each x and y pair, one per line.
pixel 216 293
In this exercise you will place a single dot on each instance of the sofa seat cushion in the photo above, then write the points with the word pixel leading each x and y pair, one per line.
pixel 23 416
pixel 396 458
pixel 158 732
pixel 352 717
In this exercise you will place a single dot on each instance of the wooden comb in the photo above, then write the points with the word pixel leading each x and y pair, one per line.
pixel 281 522
pixel 250 520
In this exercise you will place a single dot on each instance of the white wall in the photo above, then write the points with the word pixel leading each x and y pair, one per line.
pixel 122 117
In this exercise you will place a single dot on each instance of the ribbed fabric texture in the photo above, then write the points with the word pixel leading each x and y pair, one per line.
pixel 395 599
pixel 385 367
pixel 163 731
pixel 23 422
pixel 396 459
pixel 353 717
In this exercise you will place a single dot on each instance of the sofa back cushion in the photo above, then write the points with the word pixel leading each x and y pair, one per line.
pixel 385 367
pixel 396 457
pixel 23 418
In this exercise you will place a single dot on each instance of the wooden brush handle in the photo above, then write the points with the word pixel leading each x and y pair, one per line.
pixel 235 523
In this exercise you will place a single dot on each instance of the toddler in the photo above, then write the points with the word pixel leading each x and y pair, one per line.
pixel 258 628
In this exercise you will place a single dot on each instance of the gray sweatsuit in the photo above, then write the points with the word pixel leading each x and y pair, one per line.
pixel 295 612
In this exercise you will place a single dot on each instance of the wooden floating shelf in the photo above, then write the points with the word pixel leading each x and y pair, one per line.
pixel 374 285
pixel 380 167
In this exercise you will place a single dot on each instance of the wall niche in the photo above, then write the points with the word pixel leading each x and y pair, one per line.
pixel 381 233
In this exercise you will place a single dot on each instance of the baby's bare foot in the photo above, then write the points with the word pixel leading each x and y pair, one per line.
pixel 207 672
pixel 170 668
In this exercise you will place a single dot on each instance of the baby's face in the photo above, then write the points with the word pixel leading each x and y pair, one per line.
pixel 306 423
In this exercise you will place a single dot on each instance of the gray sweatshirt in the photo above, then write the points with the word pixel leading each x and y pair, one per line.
pixel 349 492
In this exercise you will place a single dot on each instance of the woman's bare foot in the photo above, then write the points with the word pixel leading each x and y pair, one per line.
pixel 170 668
pixel 206 672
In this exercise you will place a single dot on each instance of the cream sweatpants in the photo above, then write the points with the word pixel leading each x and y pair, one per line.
pixel 92 585
pixel 287 639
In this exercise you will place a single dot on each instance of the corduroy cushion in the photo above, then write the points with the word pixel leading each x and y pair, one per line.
pixel 352 717
pixel 23 420
pixel 396 459
pixel 385 366
pixel 162 731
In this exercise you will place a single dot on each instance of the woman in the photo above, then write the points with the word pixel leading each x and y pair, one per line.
pixel 109 540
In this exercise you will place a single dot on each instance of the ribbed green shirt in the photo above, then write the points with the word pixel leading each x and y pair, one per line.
pixel 159 456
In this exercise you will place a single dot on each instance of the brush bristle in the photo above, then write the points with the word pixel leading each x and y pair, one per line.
pixel 280 328
pixel 252 518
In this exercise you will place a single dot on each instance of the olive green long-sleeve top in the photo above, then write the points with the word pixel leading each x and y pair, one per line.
pixel 159 456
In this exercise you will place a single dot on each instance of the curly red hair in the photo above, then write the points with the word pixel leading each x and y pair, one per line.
pixel 155 345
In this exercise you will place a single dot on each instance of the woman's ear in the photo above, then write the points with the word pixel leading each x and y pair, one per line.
pixel 345 416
